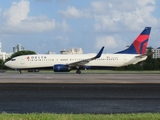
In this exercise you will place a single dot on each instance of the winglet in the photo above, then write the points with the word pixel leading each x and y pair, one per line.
pixel 100 53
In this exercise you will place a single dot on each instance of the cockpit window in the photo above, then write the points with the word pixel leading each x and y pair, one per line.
pixel 13 59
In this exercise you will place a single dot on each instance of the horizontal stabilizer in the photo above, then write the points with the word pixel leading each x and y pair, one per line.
pixel 148 54
pixel 140 56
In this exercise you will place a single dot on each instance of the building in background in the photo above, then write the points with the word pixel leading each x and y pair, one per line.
pixel 50 52
pixel 156 53
pixel 18 48
pixel 4 55
pixel 72 51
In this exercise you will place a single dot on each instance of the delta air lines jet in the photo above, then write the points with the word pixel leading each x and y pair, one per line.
pixel 135 53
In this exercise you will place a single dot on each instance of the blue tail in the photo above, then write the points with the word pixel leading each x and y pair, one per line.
pixel 139 45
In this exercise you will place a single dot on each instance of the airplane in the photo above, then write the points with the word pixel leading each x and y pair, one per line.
pixel 135 53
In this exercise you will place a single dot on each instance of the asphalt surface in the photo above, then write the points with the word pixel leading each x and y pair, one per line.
pixel 82 96
pixel 79 78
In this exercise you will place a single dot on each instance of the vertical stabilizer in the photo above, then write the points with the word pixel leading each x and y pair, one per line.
pixel 140 43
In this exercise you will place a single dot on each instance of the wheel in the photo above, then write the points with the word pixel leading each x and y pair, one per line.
pixel 78 71
pixel 20 72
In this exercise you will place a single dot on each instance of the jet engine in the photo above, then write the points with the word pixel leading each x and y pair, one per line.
pixel 61 68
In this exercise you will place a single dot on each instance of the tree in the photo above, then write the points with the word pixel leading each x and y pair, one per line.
pixel 1 64
pixel 148 63
pixel 150 54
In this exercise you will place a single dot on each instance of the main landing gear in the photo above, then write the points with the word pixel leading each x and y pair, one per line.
pixel 78 71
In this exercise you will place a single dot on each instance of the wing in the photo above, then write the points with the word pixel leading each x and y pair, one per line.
pixel 85 61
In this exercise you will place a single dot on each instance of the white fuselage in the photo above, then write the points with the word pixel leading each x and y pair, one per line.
pixel 44 60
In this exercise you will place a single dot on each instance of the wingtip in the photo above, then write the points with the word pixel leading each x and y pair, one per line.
pixel 100 53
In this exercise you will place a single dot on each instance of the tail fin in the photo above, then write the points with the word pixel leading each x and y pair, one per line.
pixel 139 45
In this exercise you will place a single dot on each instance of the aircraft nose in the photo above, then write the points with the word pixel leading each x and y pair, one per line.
pixel 6 64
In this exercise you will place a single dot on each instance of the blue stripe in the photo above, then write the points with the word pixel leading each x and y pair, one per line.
pixel 141 48
pixel 146 31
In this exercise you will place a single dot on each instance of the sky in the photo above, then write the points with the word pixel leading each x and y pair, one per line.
pixel 53 25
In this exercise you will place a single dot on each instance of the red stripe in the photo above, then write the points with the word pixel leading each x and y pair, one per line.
pixel 141 38
pixel 138 42
pixel 137 46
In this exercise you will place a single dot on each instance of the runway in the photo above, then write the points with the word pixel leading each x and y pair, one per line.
pixel 80 78
pixel 85 93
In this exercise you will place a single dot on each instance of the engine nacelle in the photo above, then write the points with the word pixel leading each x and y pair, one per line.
pixel 61 68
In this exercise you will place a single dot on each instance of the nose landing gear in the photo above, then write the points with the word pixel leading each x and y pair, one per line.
pixel 20 72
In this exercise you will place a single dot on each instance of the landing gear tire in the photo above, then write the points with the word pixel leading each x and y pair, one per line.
pixel 20 72
pixel 78 72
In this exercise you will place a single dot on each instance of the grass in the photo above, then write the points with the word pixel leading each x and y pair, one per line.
pixel 49 116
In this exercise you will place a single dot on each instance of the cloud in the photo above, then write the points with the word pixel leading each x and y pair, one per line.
pixel 107 41
pixel 62 41
pixel 113 15
pixel 17 12
pixel 120 18
pixel 100 7
pixel 37 24
pixel 61 38
pixel 72 12
pixel 18 21
pixel 104 22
